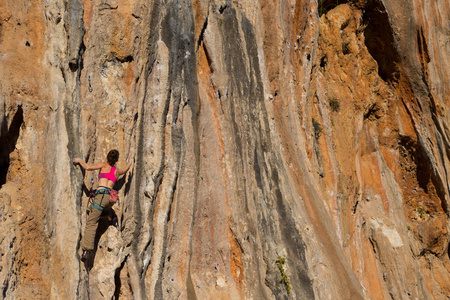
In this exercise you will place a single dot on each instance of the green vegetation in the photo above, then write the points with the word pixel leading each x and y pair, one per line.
pixel 334 104
pixel 284 279
pixel 325 6
pixel 409 227
pixel 317 128
pixel 420 211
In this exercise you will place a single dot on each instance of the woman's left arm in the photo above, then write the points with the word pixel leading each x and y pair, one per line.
pixel 123 171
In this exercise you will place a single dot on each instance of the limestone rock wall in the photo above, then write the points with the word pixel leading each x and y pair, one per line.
pixel 304 139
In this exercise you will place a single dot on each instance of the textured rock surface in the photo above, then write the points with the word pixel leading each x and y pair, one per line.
pixel 315 131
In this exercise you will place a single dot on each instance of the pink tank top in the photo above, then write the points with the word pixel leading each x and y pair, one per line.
pixel 109 175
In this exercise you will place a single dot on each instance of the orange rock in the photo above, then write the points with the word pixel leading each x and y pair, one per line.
pixel 312 132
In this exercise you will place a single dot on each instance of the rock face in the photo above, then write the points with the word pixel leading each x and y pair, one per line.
pixel 282 149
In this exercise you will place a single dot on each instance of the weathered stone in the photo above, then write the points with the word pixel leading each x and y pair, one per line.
pixel 310 133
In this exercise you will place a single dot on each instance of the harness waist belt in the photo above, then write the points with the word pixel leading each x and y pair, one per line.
pixel 102 191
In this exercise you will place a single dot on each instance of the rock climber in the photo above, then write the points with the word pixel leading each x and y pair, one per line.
pixel 106 179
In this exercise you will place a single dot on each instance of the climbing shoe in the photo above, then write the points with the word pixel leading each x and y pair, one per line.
pixel 85 256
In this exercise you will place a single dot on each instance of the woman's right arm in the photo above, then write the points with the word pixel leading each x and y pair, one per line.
pixel 88 167
pixel 123 171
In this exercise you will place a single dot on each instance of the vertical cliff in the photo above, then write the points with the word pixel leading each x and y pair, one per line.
pixel 282 149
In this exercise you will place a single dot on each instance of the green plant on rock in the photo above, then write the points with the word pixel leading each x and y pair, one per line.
pixel 317 128
pixel 420 211
pixel 284 279
pixel 325 6
pixel 334 105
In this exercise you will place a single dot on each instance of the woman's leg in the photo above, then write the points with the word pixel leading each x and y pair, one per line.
pixel 88 240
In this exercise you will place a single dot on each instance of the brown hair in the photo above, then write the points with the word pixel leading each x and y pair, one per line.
pixel 113 157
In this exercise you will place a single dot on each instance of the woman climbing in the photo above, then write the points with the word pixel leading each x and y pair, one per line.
pixel 106 179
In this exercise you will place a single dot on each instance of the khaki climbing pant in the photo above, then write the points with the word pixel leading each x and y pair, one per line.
pixel 94 214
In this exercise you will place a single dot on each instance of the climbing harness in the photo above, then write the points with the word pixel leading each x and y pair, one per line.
pixel 113 194
pixel 97 206
pixel 113 197
pixel 104 190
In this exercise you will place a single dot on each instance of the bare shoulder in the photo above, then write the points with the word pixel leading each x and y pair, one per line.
pixel 118 172
pixel 101 166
